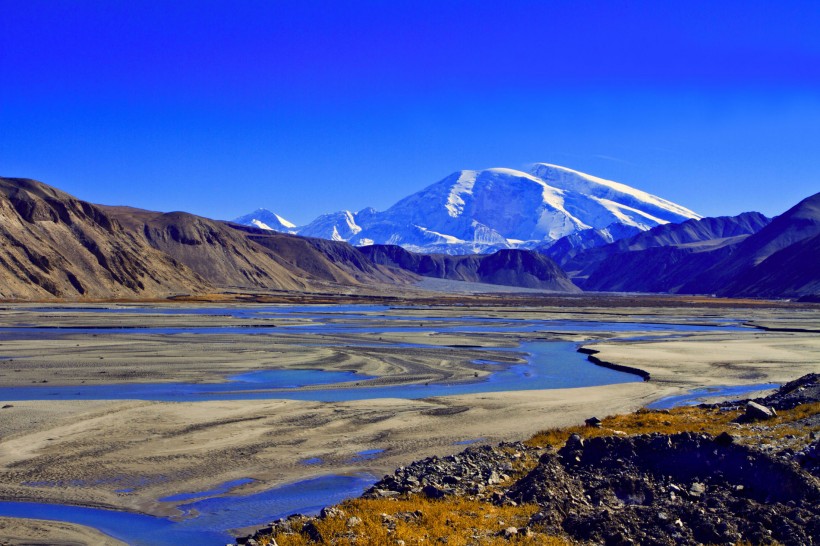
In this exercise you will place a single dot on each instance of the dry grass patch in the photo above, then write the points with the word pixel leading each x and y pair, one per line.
pixel 689 419
pixel 418 520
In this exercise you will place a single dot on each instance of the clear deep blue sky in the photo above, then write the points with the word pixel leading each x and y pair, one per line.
pixel 307 107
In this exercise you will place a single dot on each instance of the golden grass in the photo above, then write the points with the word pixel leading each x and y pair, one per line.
pixel 687 419
pixel 419 520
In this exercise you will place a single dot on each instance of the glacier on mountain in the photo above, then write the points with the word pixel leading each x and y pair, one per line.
pixel 481 211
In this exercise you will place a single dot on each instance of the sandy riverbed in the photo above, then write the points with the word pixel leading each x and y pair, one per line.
pixel 82 452
pixel 36 532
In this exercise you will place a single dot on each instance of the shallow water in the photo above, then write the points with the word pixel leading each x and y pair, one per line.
pixel 220 490
pixel 550 365
pixel 339 319
pixel 701 396
pixel 366 455
pixel 210 518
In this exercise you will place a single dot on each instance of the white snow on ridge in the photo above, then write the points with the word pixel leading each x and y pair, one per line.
pixel 542 169
pixel 262 225
pixel 351 222
pixel 284 222
pixel 449 239
pixel 617 210
pixel 267 220
pixel 464 185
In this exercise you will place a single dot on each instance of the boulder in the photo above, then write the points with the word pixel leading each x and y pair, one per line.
pixel 755 411
pixel 593 422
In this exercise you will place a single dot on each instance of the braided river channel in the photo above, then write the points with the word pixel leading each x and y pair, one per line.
pixel 208 517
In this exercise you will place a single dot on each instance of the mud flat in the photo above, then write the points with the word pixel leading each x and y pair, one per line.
pixel 128 454
pixel 34 532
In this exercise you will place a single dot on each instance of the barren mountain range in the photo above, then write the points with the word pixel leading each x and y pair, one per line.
pixel 745 255
pixel 54 246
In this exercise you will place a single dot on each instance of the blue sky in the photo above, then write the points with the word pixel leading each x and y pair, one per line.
pixel 306 107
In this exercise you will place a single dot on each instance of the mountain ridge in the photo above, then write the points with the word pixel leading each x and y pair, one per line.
pixel 507 267
pixel 481 211
pixel 742 256
pixel 55 246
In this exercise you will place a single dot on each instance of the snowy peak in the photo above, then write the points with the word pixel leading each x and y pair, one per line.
pixel 265 219
pixel 481 211
pixel 336 226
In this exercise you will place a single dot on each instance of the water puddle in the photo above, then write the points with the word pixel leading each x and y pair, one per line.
pixel 702 396
pixel 468 442
pixel 366 455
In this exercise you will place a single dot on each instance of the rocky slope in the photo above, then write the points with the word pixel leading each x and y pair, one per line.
pixel 711 475
pixel 57 246
pixel 520 268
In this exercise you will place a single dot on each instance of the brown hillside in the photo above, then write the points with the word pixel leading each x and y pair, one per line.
pixel 53 245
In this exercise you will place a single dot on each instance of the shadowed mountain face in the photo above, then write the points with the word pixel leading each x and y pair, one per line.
pixel 56 246
pixel 793 271
pixel 223 256
pixel 234 256
pixel 738 256
pixel 744 273
pixel 661 259
pixel 522 268
pixel 341 263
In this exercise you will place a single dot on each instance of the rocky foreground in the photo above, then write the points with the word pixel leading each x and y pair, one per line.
pixel 732 473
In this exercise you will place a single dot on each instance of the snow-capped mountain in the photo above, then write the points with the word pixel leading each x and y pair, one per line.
pixel 336 226
pixel 265 219
pixel 483 211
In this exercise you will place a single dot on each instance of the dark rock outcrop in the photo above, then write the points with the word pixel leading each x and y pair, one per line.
pixel 662 490
pixel 653 489
pixel 470 472
pixel 803 390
